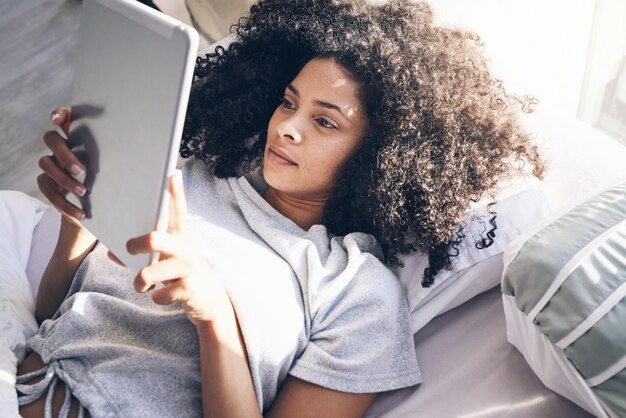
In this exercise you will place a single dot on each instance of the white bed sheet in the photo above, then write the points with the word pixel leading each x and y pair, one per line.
pixel 471 371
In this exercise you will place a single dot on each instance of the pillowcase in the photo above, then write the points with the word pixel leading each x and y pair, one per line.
pixel 564 291
pixel 474 270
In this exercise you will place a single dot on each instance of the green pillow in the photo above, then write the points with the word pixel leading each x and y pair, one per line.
pixel 569 280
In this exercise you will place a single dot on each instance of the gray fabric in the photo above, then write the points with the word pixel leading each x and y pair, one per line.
pixel 602 346
pixel 325 310
pixel 599 274
pixel 563 238
pixel 612 393
pixel 30 392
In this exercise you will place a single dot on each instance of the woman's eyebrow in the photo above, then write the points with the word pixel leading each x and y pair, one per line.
pixel 327 105
pixel 330 106
pixel 293 90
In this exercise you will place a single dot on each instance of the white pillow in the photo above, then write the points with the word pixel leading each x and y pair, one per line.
pixel 473 270
pixel 19 214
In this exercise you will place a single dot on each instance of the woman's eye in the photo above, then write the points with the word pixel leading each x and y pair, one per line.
pixel 287 104
pixel 325 123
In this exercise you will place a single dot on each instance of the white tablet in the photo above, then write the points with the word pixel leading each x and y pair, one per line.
pixel 134 68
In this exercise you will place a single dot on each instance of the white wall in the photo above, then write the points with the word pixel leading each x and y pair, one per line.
pixel 537 47
pixel 570 54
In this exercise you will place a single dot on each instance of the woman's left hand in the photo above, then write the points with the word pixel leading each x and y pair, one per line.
pixel 187 277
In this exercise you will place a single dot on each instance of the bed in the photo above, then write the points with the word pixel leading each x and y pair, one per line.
pixel 469 368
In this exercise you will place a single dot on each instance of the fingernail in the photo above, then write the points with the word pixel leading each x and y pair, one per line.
pixel 80 216
pixel 76 169
pixel 54 116
pixel 80 190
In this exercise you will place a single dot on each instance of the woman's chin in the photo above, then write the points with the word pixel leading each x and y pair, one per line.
pixel 278 172
pixel 277 180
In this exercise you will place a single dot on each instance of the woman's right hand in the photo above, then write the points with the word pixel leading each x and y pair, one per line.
pixel 59 170
pixel 75 241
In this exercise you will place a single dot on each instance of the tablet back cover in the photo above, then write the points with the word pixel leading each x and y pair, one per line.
pixel 134 68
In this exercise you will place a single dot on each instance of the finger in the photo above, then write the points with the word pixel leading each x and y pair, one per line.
pixel 178 204
pixel 52 191
pixel 156 241
pixel 52 170
pixel 61 117
pixel 67 159
pixel 163 271
pixel 172 292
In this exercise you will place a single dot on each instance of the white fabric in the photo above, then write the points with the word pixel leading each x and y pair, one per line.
pixel 548 363
pixel 474 271
pixel 44 240
pixel 19 214
pixel 471 371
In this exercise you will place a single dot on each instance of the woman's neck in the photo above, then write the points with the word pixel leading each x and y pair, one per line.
pixel 303 212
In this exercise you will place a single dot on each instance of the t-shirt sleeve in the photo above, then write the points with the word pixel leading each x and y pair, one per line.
pixel 360 338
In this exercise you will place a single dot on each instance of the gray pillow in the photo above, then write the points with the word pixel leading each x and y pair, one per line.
pixel 569 281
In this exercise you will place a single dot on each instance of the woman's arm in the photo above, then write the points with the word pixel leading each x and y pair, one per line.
pixel 72 247
pixel 298 398
pixel 227 389
pixel 75 241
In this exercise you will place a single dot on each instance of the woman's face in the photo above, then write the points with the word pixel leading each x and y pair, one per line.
pixel 316 128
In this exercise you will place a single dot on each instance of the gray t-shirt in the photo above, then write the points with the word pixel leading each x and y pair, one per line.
pixel 323 309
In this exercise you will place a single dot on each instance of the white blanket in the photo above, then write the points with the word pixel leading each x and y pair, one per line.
pixel 19 215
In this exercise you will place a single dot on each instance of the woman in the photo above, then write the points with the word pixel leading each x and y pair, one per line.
pixel 277 302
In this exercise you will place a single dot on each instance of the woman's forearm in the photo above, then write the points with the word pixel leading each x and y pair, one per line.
pixel 227 389
pixel 72 247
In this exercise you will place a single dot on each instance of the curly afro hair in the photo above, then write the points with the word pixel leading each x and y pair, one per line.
pixel 443 131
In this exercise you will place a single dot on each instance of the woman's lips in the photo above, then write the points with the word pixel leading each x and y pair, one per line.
pixel 275 155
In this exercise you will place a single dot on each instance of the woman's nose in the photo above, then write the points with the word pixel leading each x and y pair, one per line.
pixel 290 129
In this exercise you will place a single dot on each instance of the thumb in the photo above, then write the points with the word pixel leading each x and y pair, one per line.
pixel 178 204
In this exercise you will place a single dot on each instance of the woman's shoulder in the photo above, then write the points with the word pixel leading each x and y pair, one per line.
pixel 360 338
pixel 363 266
